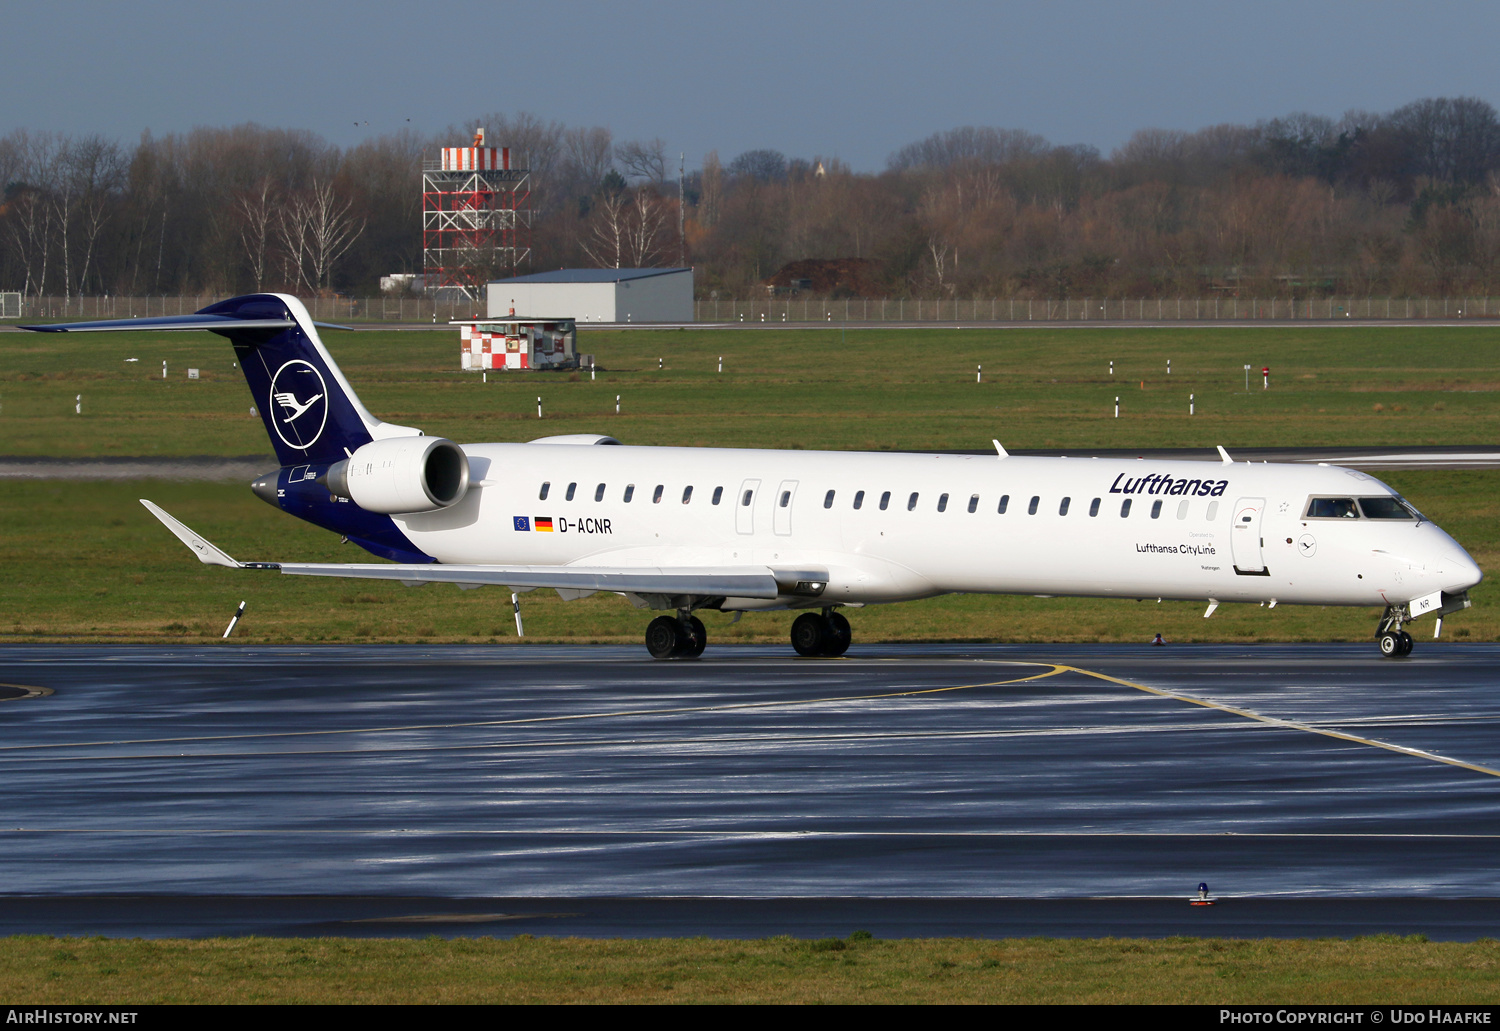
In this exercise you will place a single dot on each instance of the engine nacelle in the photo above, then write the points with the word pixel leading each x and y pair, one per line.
pixel 402 474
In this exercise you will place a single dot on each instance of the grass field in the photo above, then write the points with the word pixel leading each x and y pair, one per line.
pixel 1377 969
pixel 83 561
pixel 881 388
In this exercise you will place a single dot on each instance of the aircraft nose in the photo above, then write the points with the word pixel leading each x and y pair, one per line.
pixel 1460 572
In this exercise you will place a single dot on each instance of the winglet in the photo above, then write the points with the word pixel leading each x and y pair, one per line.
pixel 1224 455
pixel 205 551
pixel 999 450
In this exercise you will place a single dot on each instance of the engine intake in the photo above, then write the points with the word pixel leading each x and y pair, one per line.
pixel 402 474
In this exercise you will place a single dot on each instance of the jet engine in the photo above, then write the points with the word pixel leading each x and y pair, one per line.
pixel 402 474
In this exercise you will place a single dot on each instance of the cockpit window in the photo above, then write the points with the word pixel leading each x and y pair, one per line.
pixel 1385 508
pixel 1332 508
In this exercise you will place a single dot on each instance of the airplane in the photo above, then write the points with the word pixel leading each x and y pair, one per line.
pixel 678 530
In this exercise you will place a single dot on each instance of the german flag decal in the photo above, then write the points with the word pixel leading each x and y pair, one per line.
pixel 543 524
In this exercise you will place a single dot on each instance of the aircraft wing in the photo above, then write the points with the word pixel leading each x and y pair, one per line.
pixel 703 581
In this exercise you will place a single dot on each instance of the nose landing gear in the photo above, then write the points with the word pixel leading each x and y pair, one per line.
pixel 1394 642
pixel 824 634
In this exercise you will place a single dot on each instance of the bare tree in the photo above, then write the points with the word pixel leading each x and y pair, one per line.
pixel 605 242
pixel 587 155
pixel 256 209
pixel 648 217
pixel 94 169
pixel 646 161
pixel 331 230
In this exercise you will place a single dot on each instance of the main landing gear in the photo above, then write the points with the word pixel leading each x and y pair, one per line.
pixel 682 636
pixel 826 633
pixel 1394 642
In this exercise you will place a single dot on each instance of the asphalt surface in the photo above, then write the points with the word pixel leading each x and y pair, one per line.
pixel 917 789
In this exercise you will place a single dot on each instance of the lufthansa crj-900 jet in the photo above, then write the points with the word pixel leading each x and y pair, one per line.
pixel 677 529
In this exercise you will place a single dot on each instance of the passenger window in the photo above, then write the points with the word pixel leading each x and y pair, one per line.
pixel 1182 508
pixel 749 497
pixel 786 498
pixel 911 502
pixel 828 500
pixel 542 494
pixel 1036 499
pixel 1004 503
pixel 1331 508
pixel 718 495
pixel 656 494
pixel 599 492
pixel 885 501
pixel 1125 508
pixel 859 500
pixel 973 503
pixel 1213 510
pixel 571 488
pixel 1093 508
pixel 1156 510
pixel 1062 509
pixel 687 495
pixel 629 492
pixel 942 503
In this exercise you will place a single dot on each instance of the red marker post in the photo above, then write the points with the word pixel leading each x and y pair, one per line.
pixel 1265 373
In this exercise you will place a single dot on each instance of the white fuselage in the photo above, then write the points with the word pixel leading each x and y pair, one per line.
pixel 1194 530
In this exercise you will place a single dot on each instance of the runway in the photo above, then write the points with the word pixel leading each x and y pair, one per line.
pixel 930 789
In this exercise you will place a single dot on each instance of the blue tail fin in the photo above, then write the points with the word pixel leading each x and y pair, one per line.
pixel 311 413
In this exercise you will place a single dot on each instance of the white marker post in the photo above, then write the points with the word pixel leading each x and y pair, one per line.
pixel 1111 368
pixel 1169 366
pixel 1190 404
pixel 1247 379
pixel 230 628
pixel 979 374
pixel 538 408
pixel 617 404
pixel 515 604
pixel 660 363
pixel 721 363
pixel 78 405
pixel 163 370
pixel 1117 408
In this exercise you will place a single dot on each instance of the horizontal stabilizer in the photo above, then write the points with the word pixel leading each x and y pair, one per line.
pixel 171 322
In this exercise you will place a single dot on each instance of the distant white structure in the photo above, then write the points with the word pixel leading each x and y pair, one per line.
pixel 596 295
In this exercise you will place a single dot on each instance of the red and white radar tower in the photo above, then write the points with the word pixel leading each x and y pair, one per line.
pixel 476 217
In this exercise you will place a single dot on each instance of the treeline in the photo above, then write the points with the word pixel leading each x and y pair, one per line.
pixel 1402 203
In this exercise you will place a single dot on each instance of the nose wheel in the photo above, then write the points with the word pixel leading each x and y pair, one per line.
pixel 1395 643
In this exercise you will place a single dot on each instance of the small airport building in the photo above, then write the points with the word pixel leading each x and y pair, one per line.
pixel 596 295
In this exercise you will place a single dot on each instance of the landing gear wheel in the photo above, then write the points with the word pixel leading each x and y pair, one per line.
pixel 1406 643
pixel 1390 644
pixel 662 637
pixel 839 635
pixel 692 643
pixel 809 634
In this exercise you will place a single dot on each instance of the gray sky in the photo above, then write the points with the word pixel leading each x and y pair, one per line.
pixel 851 80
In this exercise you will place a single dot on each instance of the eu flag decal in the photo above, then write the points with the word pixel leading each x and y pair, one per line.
pixel 522 523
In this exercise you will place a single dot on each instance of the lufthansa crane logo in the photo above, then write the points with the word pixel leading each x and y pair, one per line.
pixel 299 404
